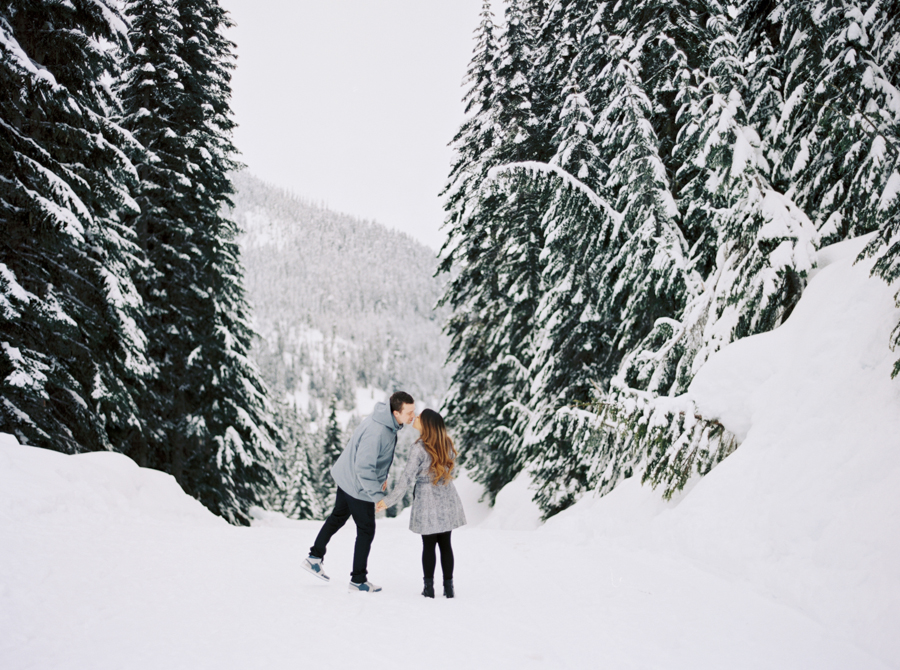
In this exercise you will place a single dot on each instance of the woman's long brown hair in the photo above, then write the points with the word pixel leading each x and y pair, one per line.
pixel 438 445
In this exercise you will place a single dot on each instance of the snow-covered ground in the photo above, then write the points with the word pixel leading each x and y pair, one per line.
pixel 786 556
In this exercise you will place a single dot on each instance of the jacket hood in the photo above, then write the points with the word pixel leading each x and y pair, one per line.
pixel 384 416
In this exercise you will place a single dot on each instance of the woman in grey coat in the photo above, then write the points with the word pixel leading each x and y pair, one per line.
pixel 436 508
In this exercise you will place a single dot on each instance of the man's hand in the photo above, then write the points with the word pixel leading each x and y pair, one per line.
pixel 384 486
pixel 380 506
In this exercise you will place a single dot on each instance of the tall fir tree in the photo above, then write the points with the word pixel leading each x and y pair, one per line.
pixel 151 93
pixel 754 249
pixel 573 337
pixel 72 357
pixel 880 38
pixel 621 272
pixel 557 45
pixel 839 109
pixel 229 423
pixel 496 297
pixel 332 446
pixel 754 245
pixel 470 254
pixel 213 423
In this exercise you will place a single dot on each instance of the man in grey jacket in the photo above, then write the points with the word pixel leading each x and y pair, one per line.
pixel 361 474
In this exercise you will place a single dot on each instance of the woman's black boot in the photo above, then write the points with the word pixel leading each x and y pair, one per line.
pixel 428 591
pixel 448 588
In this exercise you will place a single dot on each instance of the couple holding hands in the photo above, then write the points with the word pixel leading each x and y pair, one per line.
pixel 361 474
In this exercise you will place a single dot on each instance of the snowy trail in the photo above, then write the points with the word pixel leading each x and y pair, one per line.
pixel 212 596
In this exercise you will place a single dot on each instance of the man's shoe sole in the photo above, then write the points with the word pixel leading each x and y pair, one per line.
pixel 353 589
pixel 325 578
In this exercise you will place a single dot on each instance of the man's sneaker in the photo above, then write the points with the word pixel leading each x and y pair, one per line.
pixel 313 565
pixel 365 587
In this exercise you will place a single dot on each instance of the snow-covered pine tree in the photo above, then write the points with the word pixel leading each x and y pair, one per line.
pixel 471 257
pixel 880 39
pixel 716 128
pixel 753 248
pixel 72 357
pixel 509 262
pixel 332 446
pixel 573 337
pixel 513 95
pixel 151 92
pixel 752 245
pixel 634 273
pixel 468 289
pixel 229 422
pixel 758 39
pixel 667 39
pixel 556 47
pixel 654 273
pixel 835 143
pixel 294 493
pixel 474 142
pixel 213 423
pixel 332 438
pixel 840 108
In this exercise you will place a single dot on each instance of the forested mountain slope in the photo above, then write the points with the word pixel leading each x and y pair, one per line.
pixel 344 307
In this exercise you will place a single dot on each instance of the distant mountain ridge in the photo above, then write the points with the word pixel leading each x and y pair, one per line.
pixel 344 307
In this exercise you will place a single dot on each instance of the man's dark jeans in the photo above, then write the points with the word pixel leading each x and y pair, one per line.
pixel 363 513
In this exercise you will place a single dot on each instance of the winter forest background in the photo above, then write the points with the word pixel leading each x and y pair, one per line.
pixel 637 185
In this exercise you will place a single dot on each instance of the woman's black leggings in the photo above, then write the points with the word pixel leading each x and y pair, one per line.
pixel 428 558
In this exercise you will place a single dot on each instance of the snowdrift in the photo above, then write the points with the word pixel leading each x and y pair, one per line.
pixel 806 510
pixel 41 486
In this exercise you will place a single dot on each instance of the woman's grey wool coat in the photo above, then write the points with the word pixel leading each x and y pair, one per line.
pixel 436 508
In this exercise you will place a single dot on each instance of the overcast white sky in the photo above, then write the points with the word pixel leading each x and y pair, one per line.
pixel 352 102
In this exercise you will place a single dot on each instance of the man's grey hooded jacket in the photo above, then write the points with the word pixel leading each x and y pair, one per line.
pixel 364 464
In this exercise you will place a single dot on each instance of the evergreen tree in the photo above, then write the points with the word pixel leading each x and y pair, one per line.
pixel 213 423
pixel 836 142
pixel 665 40
pixel 622 272
pixel 880 37
pixel 496 297
pixel 754 244
pixel 513 95
pixel 471 255
pixel 333 439
pixel 229 421
pixel 753 253
pixel 839 111
pixel 558 44
pixel 294 493
pixel 573 343
pixel 332 446
pixel 758 37
pixel 72 360
pixel 151 93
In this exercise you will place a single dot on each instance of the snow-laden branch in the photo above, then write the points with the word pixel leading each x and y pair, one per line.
pixel 517 364
pixel 566 177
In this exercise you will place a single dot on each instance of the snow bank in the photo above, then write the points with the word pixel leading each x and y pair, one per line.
pixel 94 488
pixel 514 508
pixel 806 509
pixel 471 493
